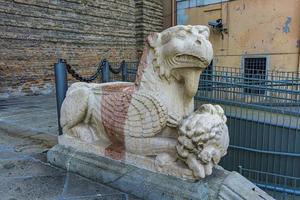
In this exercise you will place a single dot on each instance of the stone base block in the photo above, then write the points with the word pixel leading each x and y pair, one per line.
pixel 150 185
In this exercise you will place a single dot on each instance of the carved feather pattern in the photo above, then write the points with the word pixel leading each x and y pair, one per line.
pixel 126 112
pixel 114 108
pixel 147 116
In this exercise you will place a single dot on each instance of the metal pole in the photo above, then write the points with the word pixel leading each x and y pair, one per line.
pixel 124 71
pixel 61 85
pixel 105 72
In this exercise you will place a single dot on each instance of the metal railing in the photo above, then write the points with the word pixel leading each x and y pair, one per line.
pixel 277 90
pixel 263 112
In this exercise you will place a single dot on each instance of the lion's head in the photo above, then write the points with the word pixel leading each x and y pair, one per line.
pixel 171 65
pixel 182 52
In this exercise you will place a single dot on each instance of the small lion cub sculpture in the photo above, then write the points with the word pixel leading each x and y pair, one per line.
pixel 203 139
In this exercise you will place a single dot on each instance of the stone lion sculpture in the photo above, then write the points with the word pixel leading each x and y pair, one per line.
pixel 151 123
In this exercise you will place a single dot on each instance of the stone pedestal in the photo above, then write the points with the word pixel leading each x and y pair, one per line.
pixel 150 185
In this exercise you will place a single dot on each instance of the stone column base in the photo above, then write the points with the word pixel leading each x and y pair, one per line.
pixel 150 185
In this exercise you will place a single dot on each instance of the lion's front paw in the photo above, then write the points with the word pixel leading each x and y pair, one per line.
pixel 164 159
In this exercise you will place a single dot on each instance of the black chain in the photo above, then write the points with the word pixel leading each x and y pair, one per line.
pixel 77 76
pixel 86 79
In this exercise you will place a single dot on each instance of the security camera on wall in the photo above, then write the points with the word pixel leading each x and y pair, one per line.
pixel 218 26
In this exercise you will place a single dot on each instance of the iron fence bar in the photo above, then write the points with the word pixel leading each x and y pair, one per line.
pixel 265 151
pixel 254 100
pixel 229 70
pixel 277 188
pixel 269 173
pixel 266 185
pixel 224 85
pixel 242 85
pixel 223 89
pixel 242 77
pixel 239 71
pixel 249 105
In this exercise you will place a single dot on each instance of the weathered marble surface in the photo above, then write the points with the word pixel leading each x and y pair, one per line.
pixel 148 185
pixel 151 123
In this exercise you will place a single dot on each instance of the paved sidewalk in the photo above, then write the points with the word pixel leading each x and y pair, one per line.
pixel 28 128
pixel 37 113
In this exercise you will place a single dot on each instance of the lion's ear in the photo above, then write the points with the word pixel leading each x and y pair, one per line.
pixel 153 39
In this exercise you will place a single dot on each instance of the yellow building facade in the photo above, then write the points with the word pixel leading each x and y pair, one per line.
pixel 268 29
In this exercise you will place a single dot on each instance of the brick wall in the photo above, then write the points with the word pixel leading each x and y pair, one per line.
pixel 149 18
pixel 34 33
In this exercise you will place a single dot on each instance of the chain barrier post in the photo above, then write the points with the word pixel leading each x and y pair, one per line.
pixel 61 86
pixel 105 72
pixel 124 71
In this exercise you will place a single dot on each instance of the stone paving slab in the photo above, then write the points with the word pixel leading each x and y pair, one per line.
pixel 25 175
pixel 36 113
pixel 31 188
pixel 27 167
pixel 80 187
pixel 27 135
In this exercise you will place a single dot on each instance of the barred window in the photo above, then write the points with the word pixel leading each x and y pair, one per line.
pixel 255 75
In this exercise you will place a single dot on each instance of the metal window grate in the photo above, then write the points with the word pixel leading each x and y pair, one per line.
pixel 255 74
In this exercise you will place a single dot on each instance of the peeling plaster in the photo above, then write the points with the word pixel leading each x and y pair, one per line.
pixel 286 27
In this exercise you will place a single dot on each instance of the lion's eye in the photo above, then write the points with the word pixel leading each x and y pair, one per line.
pixel 165 38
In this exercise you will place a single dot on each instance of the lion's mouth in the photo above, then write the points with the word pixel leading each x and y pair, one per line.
pixel 185 60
